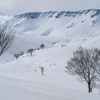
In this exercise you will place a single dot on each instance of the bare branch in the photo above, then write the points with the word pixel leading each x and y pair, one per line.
pixel 6 39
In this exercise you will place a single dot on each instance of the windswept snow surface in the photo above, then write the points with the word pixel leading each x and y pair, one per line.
pixel 15 89
pixel 61 33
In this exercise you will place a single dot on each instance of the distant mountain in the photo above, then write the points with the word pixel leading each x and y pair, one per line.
pixel 55 23
pixel 34 15
pixel 53 28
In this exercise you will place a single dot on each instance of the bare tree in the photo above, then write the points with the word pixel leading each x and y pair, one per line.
pixel 42 46
pixel 16 55
pixel 6 39
pixel 30 51
pixel 21 53
pixel 86 64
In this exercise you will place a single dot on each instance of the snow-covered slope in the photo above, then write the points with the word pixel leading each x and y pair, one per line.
pixel 15 89
pixel 63 28
pixel 61 32
pixel 4 18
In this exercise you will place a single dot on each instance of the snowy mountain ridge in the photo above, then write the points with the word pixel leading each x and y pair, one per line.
pixel 56 14
pixel 94 12
pixel 48 23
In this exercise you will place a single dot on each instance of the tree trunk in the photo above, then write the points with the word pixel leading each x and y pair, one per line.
pixel 89 88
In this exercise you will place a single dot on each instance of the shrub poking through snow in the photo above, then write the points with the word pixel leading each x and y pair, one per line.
pixel 42 69
pixel 16 55
pixel 42 46
pixel 21 53
pixel 30 51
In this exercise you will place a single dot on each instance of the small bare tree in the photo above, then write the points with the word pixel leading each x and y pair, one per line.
pixel 86 64
pixel 16 55
pixel 21 53
pixel 6 39
pixel 42 46
pixel 30 51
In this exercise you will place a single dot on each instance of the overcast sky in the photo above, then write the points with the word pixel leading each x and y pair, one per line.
pixel 14 7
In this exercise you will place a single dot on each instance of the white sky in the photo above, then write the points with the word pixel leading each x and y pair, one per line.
pixel 14 7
